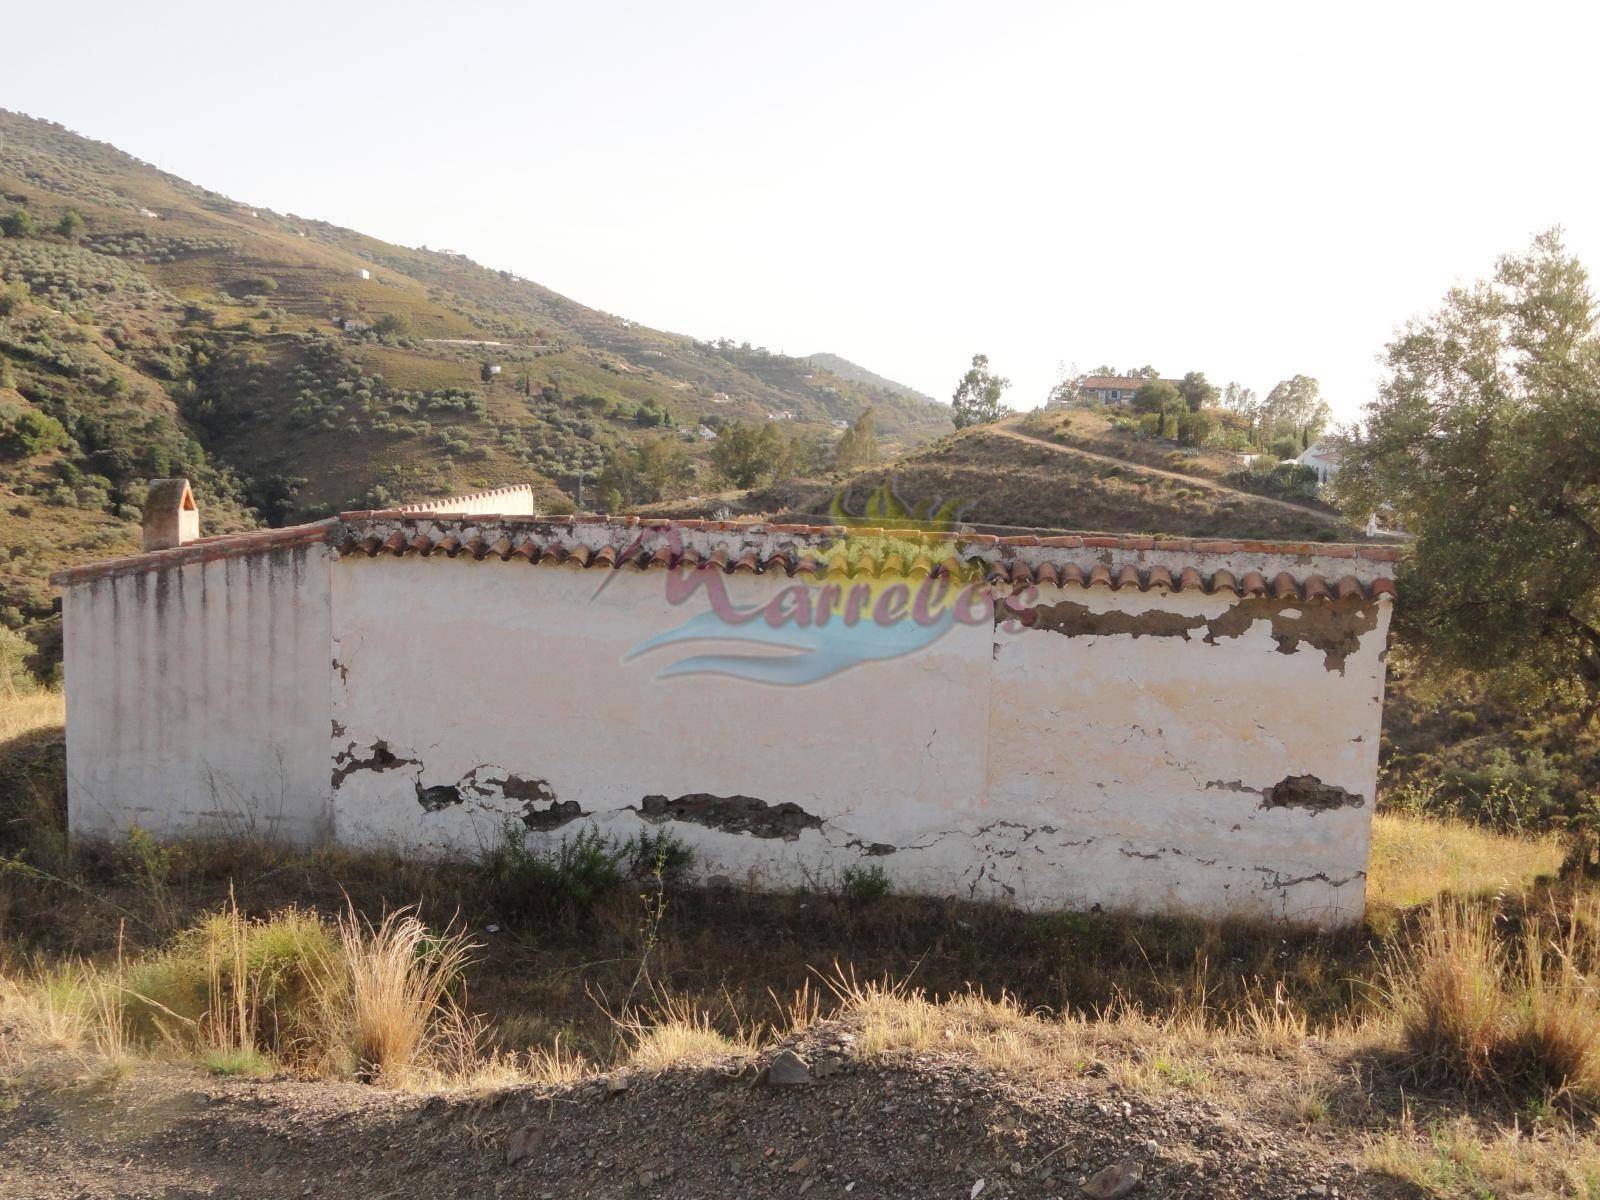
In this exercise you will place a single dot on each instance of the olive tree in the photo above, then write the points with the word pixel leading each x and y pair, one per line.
pixel 1485 441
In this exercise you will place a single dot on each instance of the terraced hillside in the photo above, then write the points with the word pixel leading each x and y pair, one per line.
pixel 290 367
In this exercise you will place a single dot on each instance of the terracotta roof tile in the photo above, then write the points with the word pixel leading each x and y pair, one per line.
pixel 834 552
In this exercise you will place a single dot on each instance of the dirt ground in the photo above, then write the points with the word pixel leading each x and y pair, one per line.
pixel 929 1126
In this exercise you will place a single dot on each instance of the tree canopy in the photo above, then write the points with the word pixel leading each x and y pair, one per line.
pixel 1485 441
pixel 1293 408
pixel 1157 396
pixel 1197 391
pixel 858 446
pixel 977 396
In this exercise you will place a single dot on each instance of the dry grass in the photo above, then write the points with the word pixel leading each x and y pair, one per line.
pixel 396 1006
pixel 1484 1006
pixel 1415 859
pixel 1459 1158
pixel 345 999
pixel 25 711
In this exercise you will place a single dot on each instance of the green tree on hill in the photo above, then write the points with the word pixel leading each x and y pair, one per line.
pixel 1485 442
pixel 858 446
pixel 1157 396
pixel 70 225
pixel 746 454
pixel 1294 408
pixel 1197 392
pixel 977 396
pixel 31 432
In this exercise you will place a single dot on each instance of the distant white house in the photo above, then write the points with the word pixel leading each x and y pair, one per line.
pixel 840 424
pixel 354 325
pixel 721 397
pixel 783 414
pixel 151 213
pixel 706 433
pixel 364 273
pixel 1322 456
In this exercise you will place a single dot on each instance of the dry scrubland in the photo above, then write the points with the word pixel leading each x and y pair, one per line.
pixel 1451 1046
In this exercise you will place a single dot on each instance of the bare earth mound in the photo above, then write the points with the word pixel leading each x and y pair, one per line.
pixel 932 1125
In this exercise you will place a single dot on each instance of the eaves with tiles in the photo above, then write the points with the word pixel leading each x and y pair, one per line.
pixel 1283 570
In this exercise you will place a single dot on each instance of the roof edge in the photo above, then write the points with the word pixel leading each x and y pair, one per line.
pixel 349 528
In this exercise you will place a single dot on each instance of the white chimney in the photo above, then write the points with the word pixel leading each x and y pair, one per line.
pixel 171 517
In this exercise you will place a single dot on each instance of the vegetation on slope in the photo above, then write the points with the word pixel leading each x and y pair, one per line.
pixel 288 367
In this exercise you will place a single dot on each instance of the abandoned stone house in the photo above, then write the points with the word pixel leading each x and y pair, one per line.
pixel 1152 724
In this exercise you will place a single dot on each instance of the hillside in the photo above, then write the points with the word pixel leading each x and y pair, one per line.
pixel 290 367
pixel 1003 477
pixel 847 370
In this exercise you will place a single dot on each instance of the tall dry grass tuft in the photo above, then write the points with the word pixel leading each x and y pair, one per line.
pixel 674 1032
pixel 394 1014
pixel 244 995
pixel 1482 1008
pixel 1446 986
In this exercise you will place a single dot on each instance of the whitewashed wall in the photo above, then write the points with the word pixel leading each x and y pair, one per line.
pixel 1130 769
pixel 1135 770
pixel 197 698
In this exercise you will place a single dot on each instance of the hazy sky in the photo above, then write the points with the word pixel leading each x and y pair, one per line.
pixel 1251 191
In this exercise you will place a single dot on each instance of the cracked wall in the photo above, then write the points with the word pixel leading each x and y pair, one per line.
pixel 1139 762
pixel 1233 773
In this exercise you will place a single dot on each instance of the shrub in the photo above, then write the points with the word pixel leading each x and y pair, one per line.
pixel 18 223
pixel 863 885
pixel 1194 428
pixel 31 432
pixel 571 877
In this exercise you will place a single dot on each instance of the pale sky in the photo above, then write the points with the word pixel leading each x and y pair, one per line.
pixel 1247 190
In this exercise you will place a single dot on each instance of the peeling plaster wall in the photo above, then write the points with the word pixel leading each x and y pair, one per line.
pixel 1144 764
pixel 472 672
pixel 1127 748
pixel 1134 768
pixel 197 698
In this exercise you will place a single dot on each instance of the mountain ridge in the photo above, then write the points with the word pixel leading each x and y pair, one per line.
pixel 290 367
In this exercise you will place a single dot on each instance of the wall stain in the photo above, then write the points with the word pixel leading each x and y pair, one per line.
pixel 732 814
pixel 1334 627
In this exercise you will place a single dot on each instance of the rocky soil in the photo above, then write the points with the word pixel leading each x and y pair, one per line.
pixel 818 1122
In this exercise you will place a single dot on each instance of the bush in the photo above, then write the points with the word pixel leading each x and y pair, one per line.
pixel 1281 481
pixel 18 223
pixel 1194 428
pixel 570 878
pixel 863 885
pixel 31 432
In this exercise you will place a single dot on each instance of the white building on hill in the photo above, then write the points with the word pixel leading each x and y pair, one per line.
pixel 1322 456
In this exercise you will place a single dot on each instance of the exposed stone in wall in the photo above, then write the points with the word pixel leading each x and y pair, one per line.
pixel 1294 791
pixel 380 758
pixel 732 814
pixel 483 784
pixel 1307 791
pixel 1333 626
